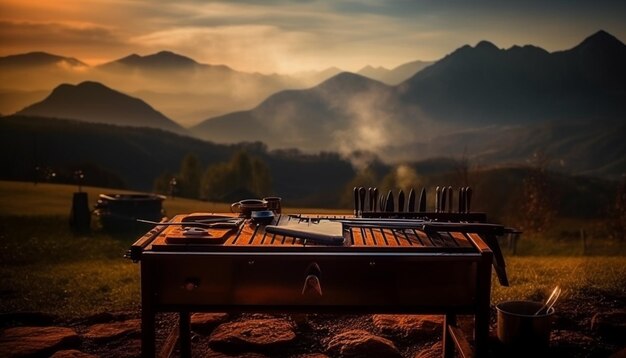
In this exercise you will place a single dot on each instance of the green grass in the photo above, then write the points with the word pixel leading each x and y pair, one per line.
pixel 45 266
pixel 25 198
pixel 534 277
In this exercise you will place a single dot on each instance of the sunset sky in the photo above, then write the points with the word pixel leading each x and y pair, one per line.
pixel 287 36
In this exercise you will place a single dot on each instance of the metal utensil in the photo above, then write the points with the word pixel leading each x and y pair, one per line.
pixel 389 204
pixel 422 203
pixel 356 201
pixel 444 200
pixel 437 199
pixel 362 193
pixel 468 199
pixel 401 201
pixel 411 202
pixel 218 223
pixel 375 199
pixel 554 296
pixel 461 200
pixel 450 199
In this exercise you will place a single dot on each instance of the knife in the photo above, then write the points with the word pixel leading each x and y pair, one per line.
pixel 356 201
pixel 370 197
pixel 422 203
pixel 461 200
pixel 450 199
pixel 381 203
pixel 437 199
pixel 468 199
pixel 362 192
pixel 411 204
pixel 389 204
pixel 375 199
pixel 442 206
pixel 401 201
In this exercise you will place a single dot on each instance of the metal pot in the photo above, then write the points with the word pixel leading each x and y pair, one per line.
pixel 519 327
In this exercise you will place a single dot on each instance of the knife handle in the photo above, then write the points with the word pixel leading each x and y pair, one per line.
pixel 450 199
pixel 356 201
pixel 375 199
pixel 389 203
pixel 370 197
pixel 461 200
pixel 362 192
pixel 400 201
pixel 468 199
pixel 411 202
pixel 437 199
pixel 422 202
pixel 444 200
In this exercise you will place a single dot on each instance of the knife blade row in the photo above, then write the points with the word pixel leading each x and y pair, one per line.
pixel 368 199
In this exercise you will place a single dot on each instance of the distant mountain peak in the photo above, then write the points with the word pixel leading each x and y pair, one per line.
pixel 39 58
pixel 486 45
pixel 159 59
pixel 95 102
pixel 601 39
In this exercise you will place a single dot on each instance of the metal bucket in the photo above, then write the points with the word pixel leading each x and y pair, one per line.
pixel 519 328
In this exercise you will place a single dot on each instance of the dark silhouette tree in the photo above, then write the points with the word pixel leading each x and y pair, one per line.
pixel 190 176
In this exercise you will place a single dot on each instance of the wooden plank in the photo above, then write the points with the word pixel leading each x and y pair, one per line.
pixel 462 344
pixel 403 238
pixel 460 239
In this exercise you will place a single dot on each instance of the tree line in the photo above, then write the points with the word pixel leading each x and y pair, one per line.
pixel 243 176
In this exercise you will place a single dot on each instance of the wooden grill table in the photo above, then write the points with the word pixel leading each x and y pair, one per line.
pixel 409 270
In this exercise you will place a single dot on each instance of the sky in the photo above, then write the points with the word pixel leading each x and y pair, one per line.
pixel 288 36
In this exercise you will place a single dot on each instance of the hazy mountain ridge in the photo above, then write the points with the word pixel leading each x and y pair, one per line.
pixel 345 113
pixel 38 58
pixel 217 89
pixel 484 84
pixel 94 102
pixel 481 88
pixel 395 75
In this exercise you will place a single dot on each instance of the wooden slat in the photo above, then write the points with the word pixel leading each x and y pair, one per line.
pixel 461 239
pixel 406 237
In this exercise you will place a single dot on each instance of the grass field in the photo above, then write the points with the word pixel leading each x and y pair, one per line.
pixel 45 266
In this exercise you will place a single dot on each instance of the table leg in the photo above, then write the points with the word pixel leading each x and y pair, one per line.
pixel 481 320
pixel 184 335
pixel 148 349
pixel 448 342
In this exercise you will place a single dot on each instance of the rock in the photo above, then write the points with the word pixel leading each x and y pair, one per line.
pixel 72 353
pixel 109 331
pixel 360 343
pixel 207 321
pixel 28 341
pixel 611 324
pixel 408 325
pixel 435 351
pixel 252 334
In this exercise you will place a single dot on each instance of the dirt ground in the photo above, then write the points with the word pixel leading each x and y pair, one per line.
pixel 572 335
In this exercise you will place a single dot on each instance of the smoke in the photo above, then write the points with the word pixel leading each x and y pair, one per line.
pixel 406 177
pixel 376 122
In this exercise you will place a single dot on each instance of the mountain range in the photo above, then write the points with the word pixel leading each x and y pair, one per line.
pixel 482 90
pixel 182 88
pixel 395 75
pixel 494 105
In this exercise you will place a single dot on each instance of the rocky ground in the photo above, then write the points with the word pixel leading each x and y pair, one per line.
pixel 590 326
